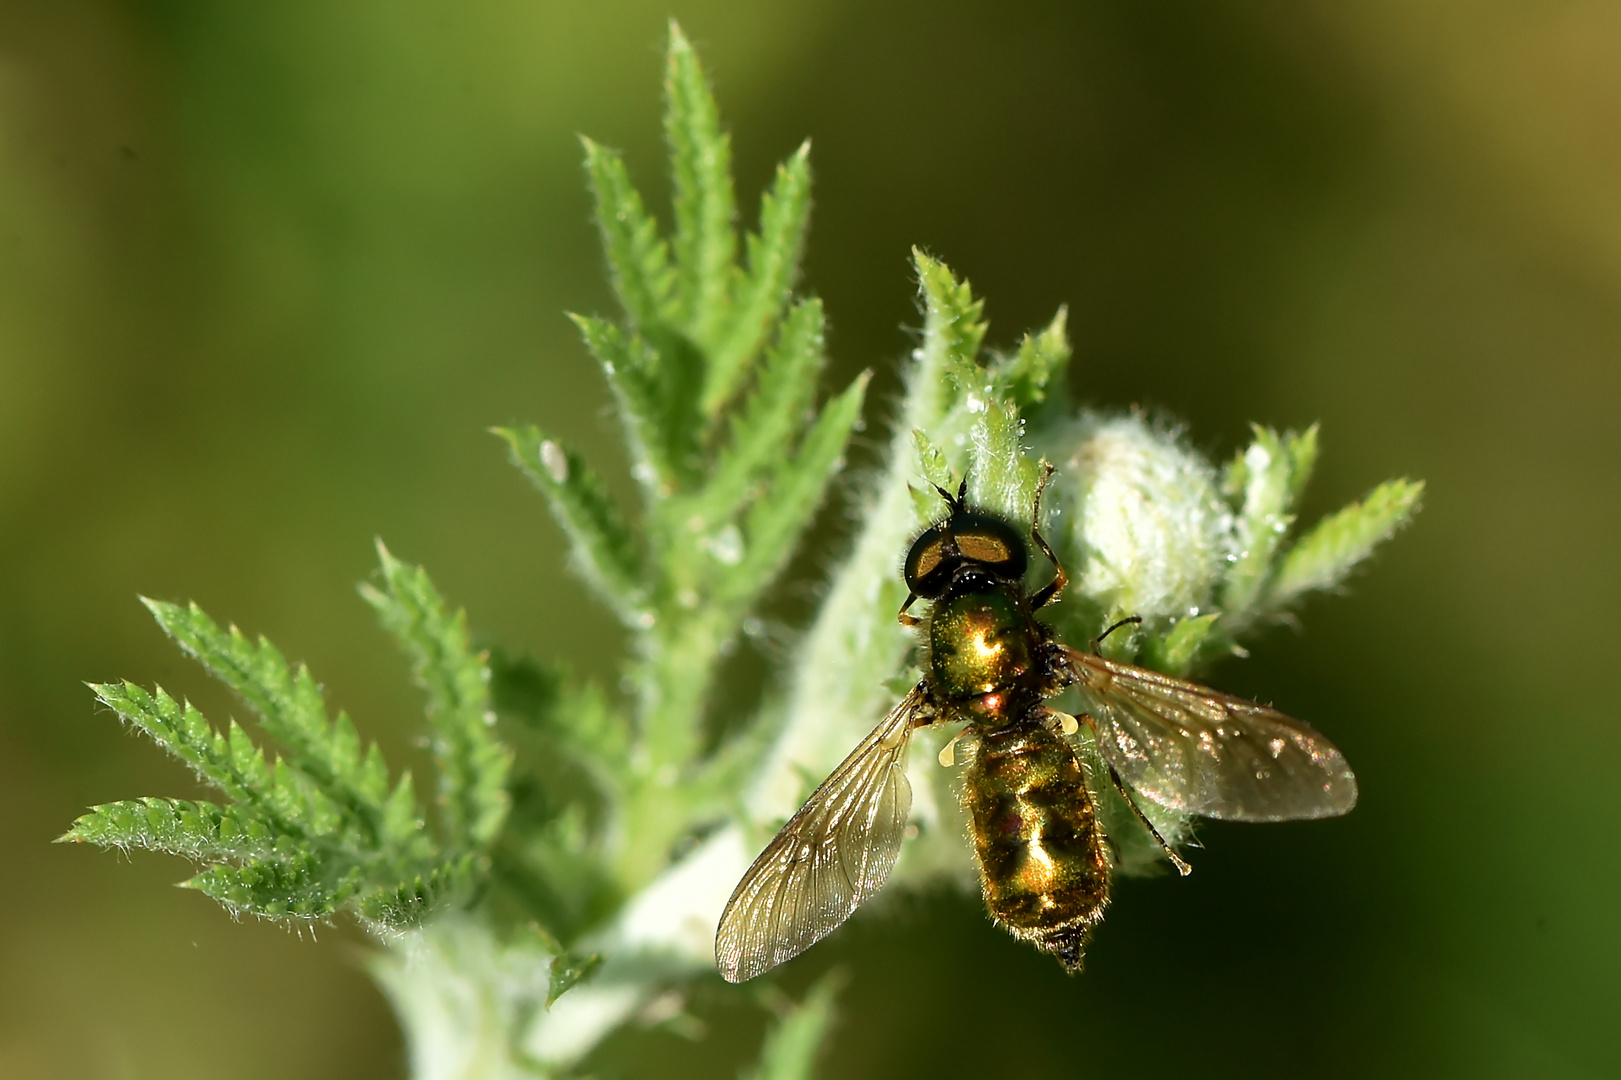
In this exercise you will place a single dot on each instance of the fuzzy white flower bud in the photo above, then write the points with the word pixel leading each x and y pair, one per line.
pixel 1140 517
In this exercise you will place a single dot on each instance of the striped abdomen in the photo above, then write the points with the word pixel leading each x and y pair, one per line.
pixel 1042 863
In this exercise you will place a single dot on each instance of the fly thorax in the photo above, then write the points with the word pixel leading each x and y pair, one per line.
pixel 979 643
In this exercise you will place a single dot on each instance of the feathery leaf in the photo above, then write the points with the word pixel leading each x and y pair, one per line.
pixel 1334 546
pixel 568 972
pixel 638 260
pixel 194 830
pixel 286 700
pixel 1042 357
pixel 773 258
pixel 473 763
pixel 1268 474
pixel 773 415
pixel 953 325
pixel 604 551
pixel 701 180
pixel 655 389
pixel 782 513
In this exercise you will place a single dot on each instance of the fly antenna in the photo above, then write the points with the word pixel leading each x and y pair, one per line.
pixel 1137 619
pixel 959 501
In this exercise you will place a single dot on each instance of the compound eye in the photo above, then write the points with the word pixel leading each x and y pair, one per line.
pixel 924 559
pixel 984 547
pixel 991 544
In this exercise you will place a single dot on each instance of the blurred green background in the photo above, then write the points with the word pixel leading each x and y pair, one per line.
pixel 268 271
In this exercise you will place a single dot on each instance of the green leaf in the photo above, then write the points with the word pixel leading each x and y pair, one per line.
pixel 403 826
pixel 1269 474
pixel 304 834
pixel 638 260
pixel 408 903
pixel 953 328
pixel 568 972
pixel 604 551
pixel 778 517
pixel 526 688
pixel 295 884
pixel 194 830
pixel 573 716
pixel 656 391
pixel 773 256
pixel 187 734
pixel 1325 555
pixel 1302 450
pixel 796 1039
pixel 772 416
pixel 1177 651
pixel 1041 359
pixel 931 462
pixel 701 179
pixel 288 704
pixel 473 763
pixel 1000 476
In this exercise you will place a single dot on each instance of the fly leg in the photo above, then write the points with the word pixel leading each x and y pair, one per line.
pixel 1177 861
pixel 1048 592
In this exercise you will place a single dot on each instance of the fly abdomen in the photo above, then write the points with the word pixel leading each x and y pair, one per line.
pixel 1042 864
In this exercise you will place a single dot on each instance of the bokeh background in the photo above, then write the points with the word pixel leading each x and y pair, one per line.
pixel 268 271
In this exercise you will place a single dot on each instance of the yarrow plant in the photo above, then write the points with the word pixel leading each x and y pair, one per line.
pixel 567 874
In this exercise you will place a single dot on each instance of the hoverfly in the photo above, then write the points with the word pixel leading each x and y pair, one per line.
pixel 990 665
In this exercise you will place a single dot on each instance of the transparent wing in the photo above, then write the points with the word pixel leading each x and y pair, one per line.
pixel 1197 751
pixel 833 854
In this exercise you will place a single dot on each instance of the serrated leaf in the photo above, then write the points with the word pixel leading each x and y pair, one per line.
pixel 701 182
pixel 655 389
pixel 408 903
pixel 194 830
pixel 1334 546
pixel 182 731
pixel 953 327
pixel 472 761
pixel 1268 475
pixel 772 416
pixel 1040 361
pixel 604 551
pixel 403 826
pixel 373 777
pixel 773 261
pixel 1000 477
pixel 303 831
pixel 638 260
pixel 286 700
pixel 1302 450
pixel 568 972
pixel 931 462
pixel 1176 652
pixel 247 760
pixel 291 885
pixel 926 503
pixel 778 517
